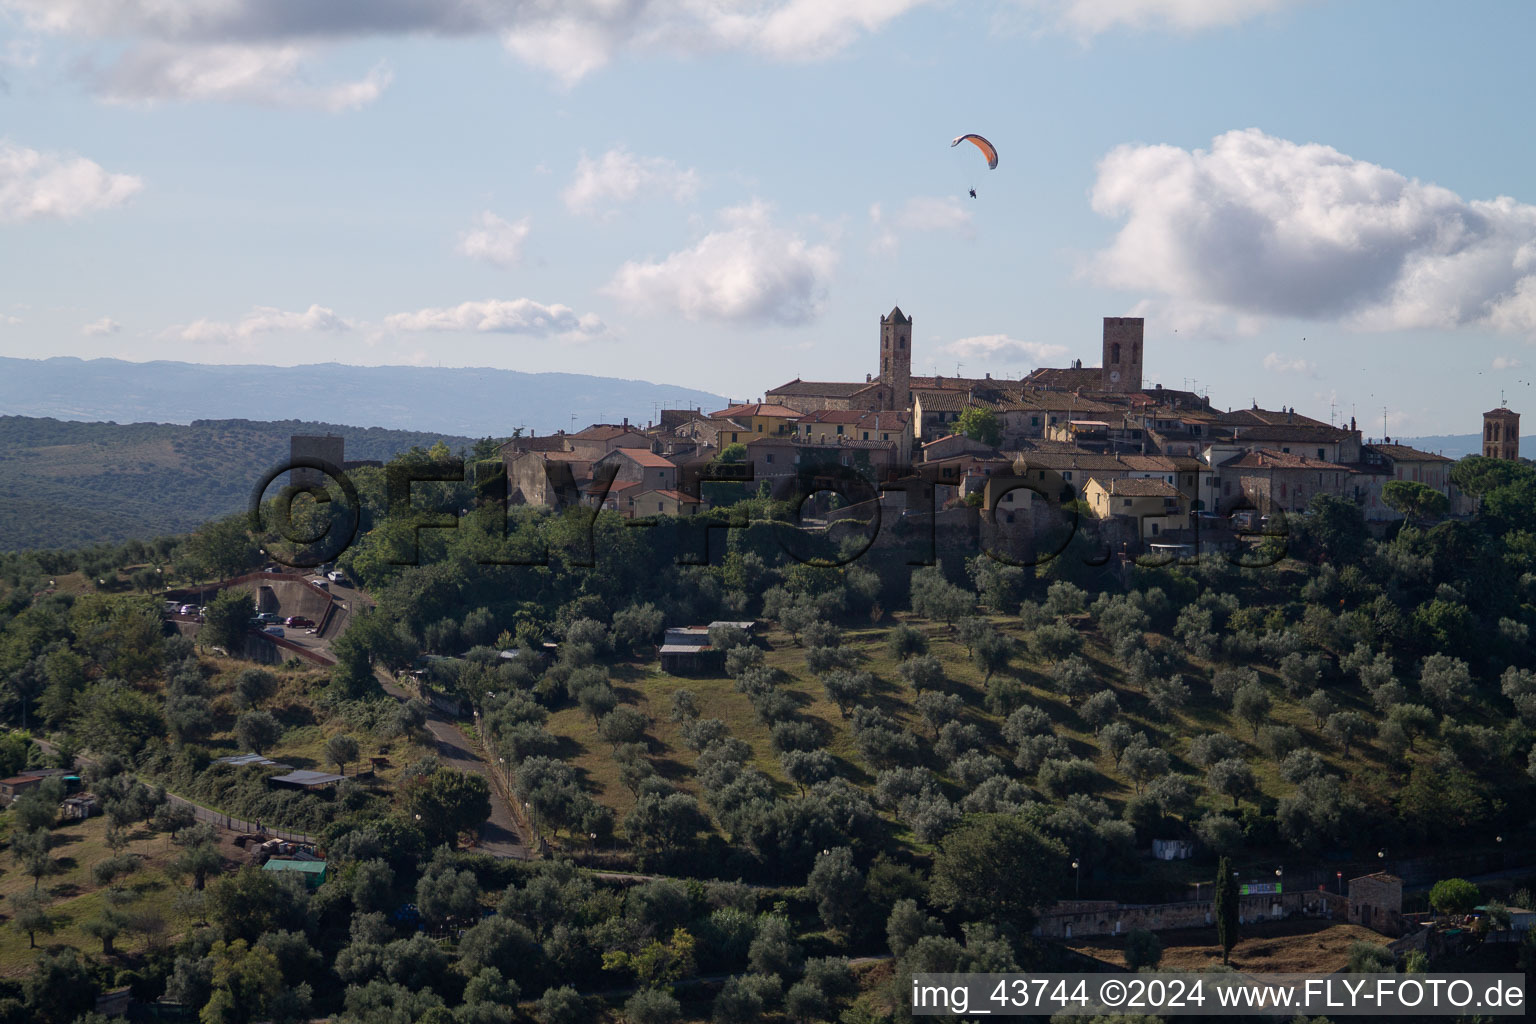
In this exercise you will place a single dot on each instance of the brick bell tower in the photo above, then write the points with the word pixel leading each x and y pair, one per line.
pixel 1501 433
pixel 896 359
pixel 1122 353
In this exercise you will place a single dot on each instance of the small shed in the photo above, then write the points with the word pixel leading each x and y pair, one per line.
pixel 313 871
pixel 306 780
pixel 681 659
pixel 78 808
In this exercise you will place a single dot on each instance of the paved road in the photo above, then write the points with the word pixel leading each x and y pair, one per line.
pixel 502 835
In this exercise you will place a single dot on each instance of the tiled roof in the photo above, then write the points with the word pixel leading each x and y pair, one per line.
pixel 1321 433
pixel 1269 417
pixel 834 416
pixel 649 460
pixel 671 494
pixel 1403 453
pixel 1501 411
pixel 1142 487
pixel 1070 378
pixel 1273 458
pixel 816 389
pixel 605 432
pixel 756 409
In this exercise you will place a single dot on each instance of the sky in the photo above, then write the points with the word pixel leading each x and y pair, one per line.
pixel 1325 205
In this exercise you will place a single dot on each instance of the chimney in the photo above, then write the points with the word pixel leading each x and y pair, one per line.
pixel 626 422
pixel 1290 415
pixel 989 375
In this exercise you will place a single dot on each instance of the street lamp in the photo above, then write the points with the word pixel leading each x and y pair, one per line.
pixel 1340 875
pixel 1077 887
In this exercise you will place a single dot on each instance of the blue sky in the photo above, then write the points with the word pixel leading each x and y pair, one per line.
pixel 1303 198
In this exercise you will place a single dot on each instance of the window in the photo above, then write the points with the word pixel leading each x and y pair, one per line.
pixel 1115 352
pixel 839 428
pixel 1067 475
pixel 1034 421
pixel 1320 454
pixel 759 428
pixel 1126 502
pixel 866 435
pixel 885 437
pixel 768 458
pixel 659 507
pixel 1286 450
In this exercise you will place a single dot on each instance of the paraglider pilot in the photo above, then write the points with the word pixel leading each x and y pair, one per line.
pixel 973 193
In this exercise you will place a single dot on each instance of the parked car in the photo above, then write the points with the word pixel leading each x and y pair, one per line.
pixel 270 617
pixel 275 631
pixel 337 577
pixel 298 622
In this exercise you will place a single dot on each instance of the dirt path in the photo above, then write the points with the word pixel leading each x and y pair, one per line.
pixel 502 834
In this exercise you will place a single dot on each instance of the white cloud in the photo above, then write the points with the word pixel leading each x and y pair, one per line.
pixel 618 176
pixel 34 184
pixel 1086 18
pixel 568 39
pixel 262 320
pixel 96 328
pixel 920 213
pixel 748 269
pixel 515 316
pixel 259 74
pixel 9 321
pixel 1000 348
pixel 1506 363
pixel 494 240
pixel 1260 226
pixel 1276 363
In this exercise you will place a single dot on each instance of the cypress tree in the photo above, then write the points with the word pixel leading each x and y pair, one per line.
pixel 1226 908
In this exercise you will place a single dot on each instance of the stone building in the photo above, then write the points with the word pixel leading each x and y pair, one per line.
pixel 1376 902
pixel 1122 354
pixel 1501 433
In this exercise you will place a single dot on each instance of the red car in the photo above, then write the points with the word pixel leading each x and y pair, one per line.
pixel 298 621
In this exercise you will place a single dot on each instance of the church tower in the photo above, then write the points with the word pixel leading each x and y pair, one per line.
pixel 896 359
pixel 1122 353
pixel 1501 433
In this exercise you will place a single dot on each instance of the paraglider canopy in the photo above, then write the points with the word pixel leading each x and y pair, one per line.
pixel 987 149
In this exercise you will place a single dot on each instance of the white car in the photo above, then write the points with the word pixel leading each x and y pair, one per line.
pixel 336 577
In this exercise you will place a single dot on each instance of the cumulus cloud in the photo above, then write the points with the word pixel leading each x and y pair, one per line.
pixel 920 213
pixel 494 240
pixel 1276 363
pixel 747 269
pixel 34 184
pixel 96 328
pixel 1084 18
pixel 501 316
pixel 569 39
pixel 263 320
pixel 1506 362
pixel 1261 226
pixel 1000 348
pixel 618 176
pixel 264 75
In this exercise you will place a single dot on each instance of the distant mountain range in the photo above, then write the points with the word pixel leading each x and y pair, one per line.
pixel 1454 446
pixel 464 402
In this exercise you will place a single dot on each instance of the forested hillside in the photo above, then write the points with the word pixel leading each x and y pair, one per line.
pixel 65 484
pixel 902 763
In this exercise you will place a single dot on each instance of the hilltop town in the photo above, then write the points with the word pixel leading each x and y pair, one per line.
pixel 1158 459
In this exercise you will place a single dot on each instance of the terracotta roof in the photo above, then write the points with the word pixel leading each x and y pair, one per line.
pixel 834 416
pixel 648 459
pixel 1070 378
pixel 756 409
pixel 673 495
pixel 1403 453
pixel 606 432
pixel 817 389
pixel 943 383
pixel 1501 411
pixel 1273 458
pixel 1269 417
pixel 1291 432
pixel 1141 487
pixel 596 487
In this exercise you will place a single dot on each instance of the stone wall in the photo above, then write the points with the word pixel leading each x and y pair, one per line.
pixel 1076 919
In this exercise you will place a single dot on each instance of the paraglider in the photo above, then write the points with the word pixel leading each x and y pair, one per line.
pixel 987 150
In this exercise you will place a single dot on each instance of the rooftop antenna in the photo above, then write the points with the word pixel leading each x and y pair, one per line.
pixel 958 368
pixel 1383 424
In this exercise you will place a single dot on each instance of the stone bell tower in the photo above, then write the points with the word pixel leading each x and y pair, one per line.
pixel 896 359
pixel 1501 433
pixel 1122 353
